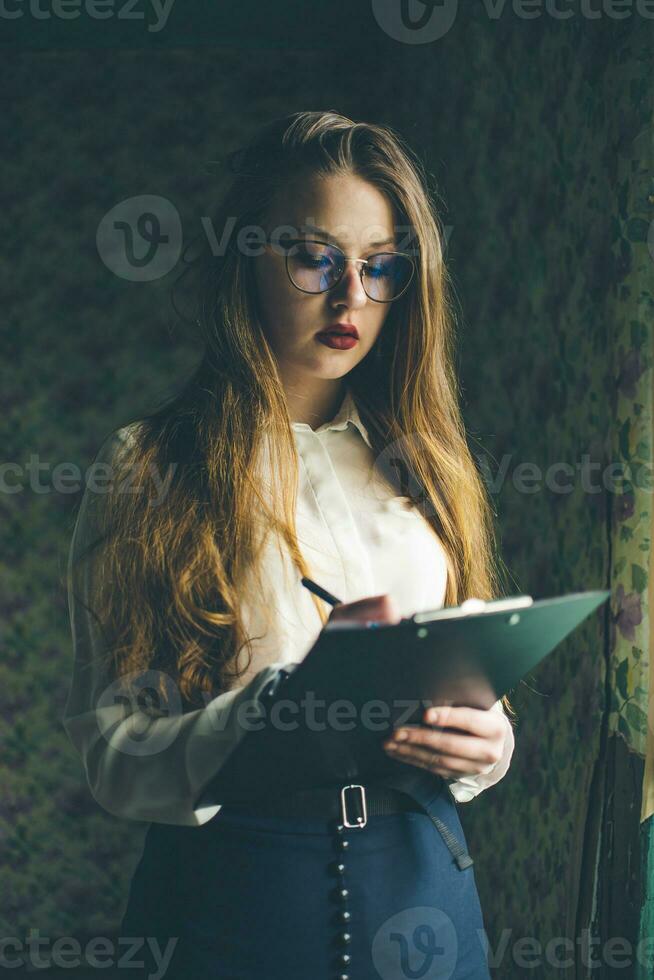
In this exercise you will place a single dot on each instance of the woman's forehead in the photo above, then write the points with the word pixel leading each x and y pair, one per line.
pixel 346 214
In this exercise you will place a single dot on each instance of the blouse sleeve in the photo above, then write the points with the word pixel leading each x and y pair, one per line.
pixel 467 787
pixel 138 766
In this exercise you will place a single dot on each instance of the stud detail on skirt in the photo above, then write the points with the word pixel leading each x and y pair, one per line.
pixel 343 937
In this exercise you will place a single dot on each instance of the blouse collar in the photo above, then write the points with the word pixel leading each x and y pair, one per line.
pixel 348 412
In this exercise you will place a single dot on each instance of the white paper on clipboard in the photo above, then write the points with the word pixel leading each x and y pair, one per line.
pixel 470 607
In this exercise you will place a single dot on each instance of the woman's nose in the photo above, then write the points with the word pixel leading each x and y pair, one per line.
pixel 351 285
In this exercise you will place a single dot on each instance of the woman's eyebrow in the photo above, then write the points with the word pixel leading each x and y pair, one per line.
pixel 332 238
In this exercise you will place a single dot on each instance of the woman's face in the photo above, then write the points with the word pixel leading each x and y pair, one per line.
pixel 359 219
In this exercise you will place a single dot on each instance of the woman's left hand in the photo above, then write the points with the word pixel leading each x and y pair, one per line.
pixel 452 754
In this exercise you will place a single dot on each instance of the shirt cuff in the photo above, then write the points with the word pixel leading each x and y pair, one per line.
pixel 467 787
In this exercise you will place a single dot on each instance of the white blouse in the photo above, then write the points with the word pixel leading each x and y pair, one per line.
pixel 358 539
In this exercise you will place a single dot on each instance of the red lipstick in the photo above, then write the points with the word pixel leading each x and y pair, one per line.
pixel 340 336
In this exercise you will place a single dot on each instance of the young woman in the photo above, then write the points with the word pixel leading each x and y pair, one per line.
pixel 290 452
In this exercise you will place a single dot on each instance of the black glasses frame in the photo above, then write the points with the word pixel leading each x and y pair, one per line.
pixel 288 243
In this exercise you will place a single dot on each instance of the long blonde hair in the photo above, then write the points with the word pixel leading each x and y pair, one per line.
pixel 174 572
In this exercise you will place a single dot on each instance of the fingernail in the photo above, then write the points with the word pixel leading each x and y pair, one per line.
pixel 400 736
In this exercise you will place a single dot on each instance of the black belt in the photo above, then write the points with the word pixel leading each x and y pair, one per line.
pixel 352 804
pixel 349 806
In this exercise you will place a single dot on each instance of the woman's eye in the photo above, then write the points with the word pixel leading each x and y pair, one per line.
pixel 379 271
pixel 314 261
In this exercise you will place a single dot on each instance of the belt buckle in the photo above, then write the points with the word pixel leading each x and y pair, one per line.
pixel 360 822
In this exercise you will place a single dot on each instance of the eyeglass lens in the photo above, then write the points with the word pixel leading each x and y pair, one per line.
pixel 315 267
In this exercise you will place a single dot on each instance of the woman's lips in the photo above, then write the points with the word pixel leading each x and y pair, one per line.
pixel 338 341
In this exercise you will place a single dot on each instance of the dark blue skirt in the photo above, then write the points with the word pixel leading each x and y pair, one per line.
pixel 246 897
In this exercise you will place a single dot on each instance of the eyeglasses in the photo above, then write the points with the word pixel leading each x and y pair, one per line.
pixel 315 267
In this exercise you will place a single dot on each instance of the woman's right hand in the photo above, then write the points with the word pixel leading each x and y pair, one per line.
pixel 376 608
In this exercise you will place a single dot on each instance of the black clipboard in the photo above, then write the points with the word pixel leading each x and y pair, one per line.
pixel 382 677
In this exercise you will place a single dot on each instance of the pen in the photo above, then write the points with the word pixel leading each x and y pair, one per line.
pixel 328 597
pixel 320 592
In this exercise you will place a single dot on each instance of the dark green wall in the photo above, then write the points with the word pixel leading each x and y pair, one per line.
pixel 530 130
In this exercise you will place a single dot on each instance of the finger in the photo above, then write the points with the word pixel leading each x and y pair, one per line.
pixel 478 721
pixel 435 762
pixel 380 608
pixel 461 746
pixel 388 609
